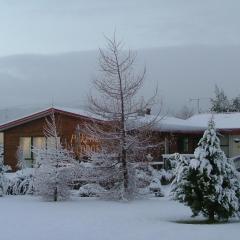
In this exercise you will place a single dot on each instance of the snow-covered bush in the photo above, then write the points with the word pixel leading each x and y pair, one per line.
pixel 2 178
pixel 91 190
pixel 103 170
pixel 169 173
pixel 3 170
pixel 156 187
pixel 148 180
pixel 106 170
pixel 20 182
pixel 166 176
pixel 208 184
pixel 171 161
pixel 143 175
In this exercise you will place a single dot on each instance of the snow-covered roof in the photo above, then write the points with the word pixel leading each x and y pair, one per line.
pixel 223 121
pixel 45 112
pixel 177 124
pixel 167 124
pixel 196 123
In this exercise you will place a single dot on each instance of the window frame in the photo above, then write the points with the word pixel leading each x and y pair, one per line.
pixel 32 158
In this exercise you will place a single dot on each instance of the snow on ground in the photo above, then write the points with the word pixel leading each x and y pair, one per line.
pixel 27 217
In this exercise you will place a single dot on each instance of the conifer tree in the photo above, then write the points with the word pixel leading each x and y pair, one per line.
pixel 54 166
pixel 208 184
pixel 220 102
pixel 235 106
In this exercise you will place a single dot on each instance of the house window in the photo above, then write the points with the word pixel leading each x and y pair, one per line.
pixel 27 143
pixel 183 145
pixel 51 142
pixel 26 148
pixel 38 143
pixel 224 144
pixel 1 138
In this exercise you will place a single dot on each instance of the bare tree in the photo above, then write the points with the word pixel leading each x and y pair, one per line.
pixel 117 101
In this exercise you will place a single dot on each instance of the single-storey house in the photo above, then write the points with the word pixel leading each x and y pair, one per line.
pixel 28 132
pixel 175 135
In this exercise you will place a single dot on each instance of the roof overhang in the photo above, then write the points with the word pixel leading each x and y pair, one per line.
pixel 41 114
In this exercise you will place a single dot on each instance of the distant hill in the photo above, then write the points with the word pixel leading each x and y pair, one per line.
pixel 30 81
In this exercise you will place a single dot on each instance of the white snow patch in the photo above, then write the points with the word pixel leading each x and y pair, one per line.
pixel 27 218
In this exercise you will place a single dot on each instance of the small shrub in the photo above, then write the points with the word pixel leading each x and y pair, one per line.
pixel 20 183
pixel 91 190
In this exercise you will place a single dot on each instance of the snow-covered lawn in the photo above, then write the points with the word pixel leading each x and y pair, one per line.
pixel 28 218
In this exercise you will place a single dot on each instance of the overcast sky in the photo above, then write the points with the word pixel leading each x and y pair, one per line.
pixel 188 46
pixel 50 26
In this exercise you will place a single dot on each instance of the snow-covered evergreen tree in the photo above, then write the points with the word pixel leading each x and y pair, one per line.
pixel 235 105
pixel 54 166
pixel 220 102
pixel 208 184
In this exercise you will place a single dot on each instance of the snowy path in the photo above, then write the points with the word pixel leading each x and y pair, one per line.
pixel 28 218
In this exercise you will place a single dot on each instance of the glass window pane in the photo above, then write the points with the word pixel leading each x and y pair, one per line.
pixel 39 142
pixel 51 142
pixel 224 140
pixel 25 144
pixel 185 145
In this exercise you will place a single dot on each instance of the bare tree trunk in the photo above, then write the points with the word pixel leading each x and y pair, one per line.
pixel 125 170
pixel 123 131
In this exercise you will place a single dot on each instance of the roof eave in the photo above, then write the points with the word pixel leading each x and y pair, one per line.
pixel 42 114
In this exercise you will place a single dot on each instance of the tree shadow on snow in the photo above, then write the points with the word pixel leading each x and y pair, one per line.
pixel 204 221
